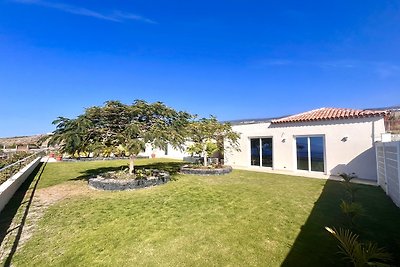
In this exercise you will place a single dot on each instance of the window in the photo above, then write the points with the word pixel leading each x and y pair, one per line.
pixel 310 153
pixel 261 152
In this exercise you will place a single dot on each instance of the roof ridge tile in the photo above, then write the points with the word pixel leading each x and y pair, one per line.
pixel 330 114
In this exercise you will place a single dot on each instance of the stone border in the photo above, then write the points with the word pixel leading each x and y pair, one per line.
pixel 108 184
pixel 215 171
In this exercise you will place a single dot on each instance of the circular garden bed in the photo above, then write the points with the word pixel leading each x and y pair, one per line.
pixel 112 181
pixel 206 170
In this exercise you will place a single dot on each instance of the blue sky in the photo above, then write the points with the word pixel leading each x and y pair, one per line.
pixel 232 59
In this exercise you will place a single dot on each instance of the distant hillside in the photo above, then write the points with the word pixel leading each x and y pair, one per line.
pixel 22 140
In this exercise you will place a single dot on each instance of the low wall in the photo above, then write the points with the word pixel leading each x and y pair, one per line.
pixel 9 187
pixel 120 185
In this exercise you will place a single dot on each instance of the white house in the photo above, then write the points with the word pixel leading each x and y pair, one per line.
pixel 321 142
pixel 169 152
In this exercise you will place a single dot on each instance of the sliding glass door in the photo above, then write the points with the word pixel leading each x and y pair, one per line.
pixel 310 153
pixel 255 152
pixel 261 152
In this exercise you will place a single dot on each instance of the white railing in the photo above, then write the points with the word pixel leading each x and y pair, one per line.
pixel 388 168
pixel 9 187
pixel 9 170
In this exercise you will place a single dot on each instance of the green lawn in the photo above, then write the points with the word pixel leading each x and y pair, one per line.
pixel 241 219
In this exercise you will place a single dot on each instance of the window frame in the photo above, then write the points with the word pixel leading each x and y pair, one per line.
pixel 309 152
pixel 259 138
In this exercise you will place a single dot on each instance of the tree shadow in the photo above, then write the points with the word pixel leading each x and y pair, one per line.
pixel 171 167
pixel 314 246
pixel 89 173
pixel 11 209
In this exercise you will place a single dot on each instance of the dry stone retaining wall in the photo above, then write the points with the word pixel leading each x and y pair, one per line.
pixel 129 184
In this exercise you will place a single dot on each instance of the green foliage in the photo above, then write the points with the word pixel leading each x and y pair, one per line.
pixel 143 173
pixel 347 177
pixel 12 158
pixel 72 135
pixel 351 189
pixel 123 174
pixel 357 253
pixel 197 149
pixel 208 136
pixel 248 214
pixel 119 128
pixel 352 210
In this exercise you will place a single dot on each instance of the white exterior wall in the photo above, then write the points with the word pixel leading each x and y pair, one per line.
pixel 356 155
pixel 172 153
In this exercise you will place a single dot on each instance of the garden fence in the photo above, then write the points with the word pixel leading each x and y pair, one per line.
pixel 11 169
pixel 388 168
pixel 15 174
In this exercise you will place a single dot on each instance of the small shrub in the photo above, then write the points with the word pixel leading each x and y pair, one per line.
pixel 351 189
pixel 359 254
pixel 124 174
pixel 352 210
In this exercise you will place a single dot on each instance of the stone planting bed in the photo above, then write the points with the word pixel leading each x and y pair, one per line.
pixel 110 184
pixel 206 171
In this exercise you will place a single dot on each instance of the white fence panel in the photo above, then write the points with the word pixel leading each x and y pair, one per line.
pixel 388 168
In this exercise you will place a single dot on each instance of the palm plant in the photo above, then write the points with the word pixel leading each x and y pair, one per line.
pixel 352 210
pixel 357 253
pixel 351 189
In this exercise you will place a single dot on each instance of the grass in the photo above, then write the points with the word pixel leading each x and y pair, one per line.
pixel 244 218
pixel 75 171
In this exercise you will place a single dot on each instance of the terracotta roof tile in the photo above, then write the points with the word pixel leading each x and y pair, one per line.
pixel 331 114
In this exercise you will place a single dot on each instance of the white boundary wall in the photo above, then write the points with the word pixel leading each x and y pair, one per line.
pixel 388 168
pixel 9 187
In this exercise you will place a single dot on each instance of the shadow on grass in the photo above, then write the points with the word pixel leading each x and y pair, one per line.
pixel 171 167
pixel 314 246
pixel 11 209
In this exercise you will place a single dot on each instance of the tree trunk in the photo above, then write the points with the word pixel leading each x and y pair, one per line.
pixel 131 163
pixel 205 155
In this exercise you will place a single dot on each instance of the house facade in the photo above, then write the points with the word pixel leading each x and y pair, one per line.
pixel 321 142
pixel 169 152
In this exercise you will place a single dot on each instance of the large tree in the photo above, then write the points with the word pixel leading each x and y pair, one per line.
pixel 73 135
pixel 116 125
pixel 208 135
